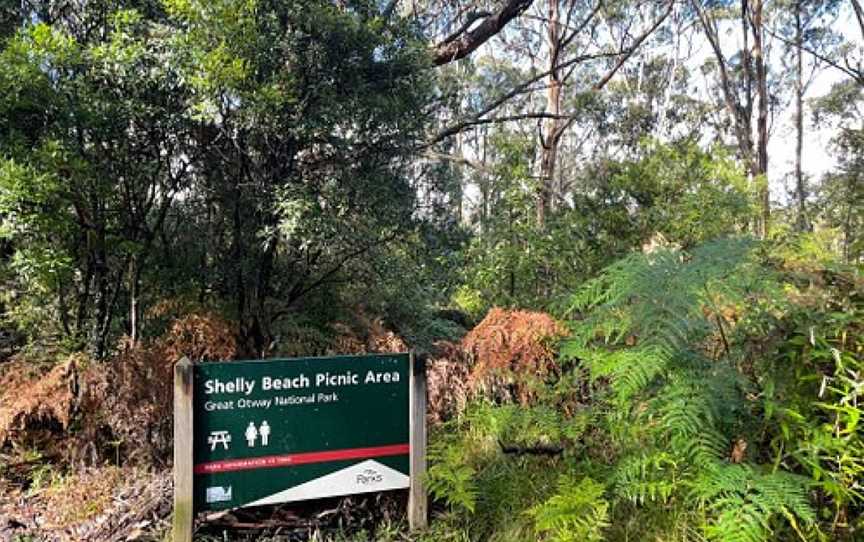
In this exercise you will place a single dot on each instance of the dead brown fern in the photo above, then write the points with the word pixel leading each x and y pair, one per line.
pixel 121 409
pixel 132 395
pixel 367 335
pixel 447 376
pixel 203 336
pixel 510 349
pixel 36 403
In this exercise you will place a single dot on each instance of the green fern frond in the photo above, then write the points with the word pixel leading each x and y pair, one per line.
pixel 450 478
pixel 688 413
pixel 744 504
pixel 521 425
pixel 629 371
pixel 577 512
pixel 647 478
pixel 663 294
pixel 641 334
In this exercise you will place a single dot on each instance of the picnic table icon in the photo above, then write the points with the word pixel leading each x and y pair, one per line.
pixel 219 437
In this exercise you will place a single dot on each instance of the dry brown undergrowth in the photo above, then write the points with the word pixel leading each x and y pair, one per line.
pixel 115 416
pixel 509 349
pixel 370 335
pixel 120 408
pixel 37 401
pixel 80 419
pixel 447 375
pixel 93 504
pixel 498 359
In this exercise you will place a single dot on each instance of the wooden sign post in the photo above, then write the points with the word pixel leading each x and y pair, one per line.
pixel 184 513
pixel 253 433
pixel 417 497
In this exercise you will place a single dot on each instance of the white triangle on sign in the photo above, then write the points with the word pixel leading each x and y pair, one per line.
pixel 364 477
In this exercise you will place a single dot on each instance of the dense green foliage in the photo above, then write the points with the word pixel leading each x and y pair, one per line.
pixel 659 195
pixel 721 405
pixel 245 155
pixel 304 176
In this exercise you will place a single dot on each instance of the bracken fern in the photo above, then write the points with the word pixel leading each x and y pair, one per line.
pixel 647 332
pixel 577 512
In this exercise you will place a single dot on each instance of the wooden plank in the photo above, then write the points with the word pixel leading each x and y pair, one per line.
pixel 183 426
pixel 417 498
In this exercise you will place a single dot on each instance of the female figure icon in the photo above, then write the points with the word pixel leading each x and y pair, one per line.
pixel 251 434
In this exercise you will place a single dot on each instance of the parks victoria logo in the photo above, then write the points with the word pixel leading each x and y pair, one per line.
pixel 276 431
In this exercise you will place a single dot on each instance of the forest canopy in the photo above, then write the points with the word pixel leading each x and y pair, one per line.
pixel 276 160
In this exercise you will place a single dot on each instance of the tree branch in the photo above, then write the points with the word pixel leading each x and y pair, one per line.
pixel 634 46
pixel 524 87
pixel 389 9
pixel 460 47
pixel 538 449
pixel 582 25
pixel 471 19
pixel 859 14
pixel 855 74
pixel 511 118
pixel 457 159
pixel 303 290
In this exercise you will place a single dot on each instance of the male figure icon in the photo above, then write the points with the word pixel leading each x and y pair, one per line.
pixel 264 430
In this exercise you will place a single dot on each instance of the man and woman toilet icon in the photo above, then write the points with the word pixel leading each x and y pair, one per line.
pixel 252 434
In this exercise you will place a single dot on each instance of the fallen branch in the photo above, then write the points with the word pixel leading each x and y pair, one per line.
pixel 538 449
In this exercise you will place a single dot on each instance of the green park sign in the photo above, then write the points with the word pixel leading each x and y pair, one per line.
pixel 282 430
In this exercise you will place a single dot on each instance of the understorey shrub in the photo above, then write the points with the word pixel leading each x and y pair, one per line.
pixel 706 394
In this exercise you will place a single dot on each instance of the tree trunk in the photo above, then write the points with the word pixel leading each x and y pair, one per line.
pixel 133 304
pixel 847 222
pixel 663 129
pixel 100 292
pixel 803 222
pixel 740 108
pixel 134 299
pixel 762 120
pixel 745 122
pixel 551 136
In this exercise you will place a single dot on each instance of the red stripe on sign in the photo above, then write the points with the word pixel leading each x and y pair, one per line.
pixel 290 460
